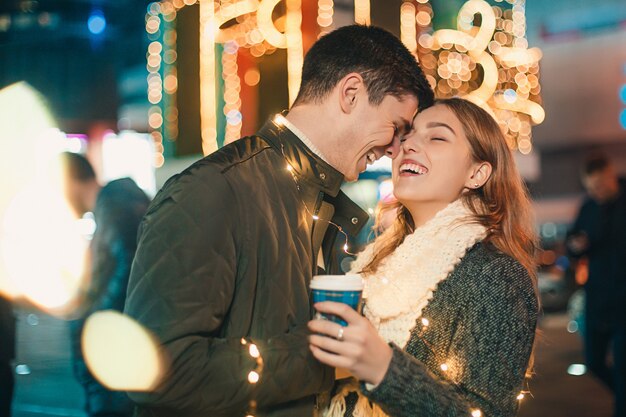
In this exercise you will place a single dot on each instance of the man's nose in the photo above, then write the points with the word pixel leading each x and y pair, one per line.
pixel 393 148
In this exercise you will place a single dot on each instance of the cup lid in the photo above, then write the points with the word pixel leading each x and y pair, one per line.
pixel 350 282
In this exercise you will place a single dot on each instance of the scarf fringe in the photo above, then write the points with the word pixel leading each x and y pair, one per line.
pixel 362 408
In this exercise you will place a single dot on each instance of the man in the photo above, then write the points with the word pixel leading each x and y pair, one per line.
pixel 118 208
pixel 599 233
pixel 229 246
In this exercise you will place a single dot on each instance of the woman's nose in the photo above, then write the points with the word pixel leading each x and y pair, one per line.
pixel 409 144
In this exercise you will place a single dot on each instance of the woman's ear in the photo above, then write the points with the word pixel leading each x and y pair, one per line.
pixel 349 88
pixel 480 174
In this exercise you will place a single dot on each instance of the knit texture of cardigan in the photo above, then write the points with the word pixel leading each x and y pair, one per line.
pixel 481 325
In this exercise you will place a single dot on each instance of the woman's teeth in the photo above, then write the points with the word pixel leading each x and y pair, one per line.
pixel 371 158
pixel 413 169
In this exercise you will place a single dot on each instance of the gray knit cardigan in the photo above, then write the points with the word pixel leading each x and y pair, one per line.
pixel 482 319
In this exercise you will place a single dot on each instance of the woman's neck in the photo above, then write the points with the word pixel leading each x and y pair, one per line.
pixel 422 212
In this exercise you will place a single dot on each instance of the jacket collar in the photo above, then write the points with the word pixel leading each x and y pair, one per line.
pixel 307 166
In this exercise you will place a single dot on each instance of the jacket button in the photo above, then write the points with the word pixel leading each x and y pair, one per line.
pixel 355 220
pixel 322 176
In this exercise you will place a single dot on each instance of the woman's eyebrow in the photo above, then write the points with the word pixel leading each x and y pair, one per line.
pixel 440 124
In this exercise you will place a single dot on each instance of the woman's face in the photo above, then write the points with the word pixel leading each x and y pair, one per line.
pixel 434 165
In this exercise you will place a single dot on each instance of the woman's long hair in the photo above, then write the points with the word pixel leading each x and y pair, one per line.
pixel 502 204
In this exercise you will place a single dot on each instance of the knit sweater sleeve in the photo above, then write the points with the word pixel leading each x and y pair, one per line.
pixel 487 356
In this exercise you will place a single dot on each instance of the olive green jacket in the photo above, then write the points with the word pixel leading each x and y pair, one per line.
pixel 227 251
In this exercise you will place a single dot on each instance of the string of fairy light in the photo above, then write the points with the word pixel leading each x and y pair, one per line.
pixel 448 366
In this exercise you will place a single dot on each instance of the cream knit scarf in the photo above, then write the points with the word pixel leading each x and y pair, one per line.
pixel 405 281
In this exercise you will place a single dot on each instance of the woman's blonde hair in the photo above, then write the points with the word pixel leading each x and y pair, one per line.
pixel 502 204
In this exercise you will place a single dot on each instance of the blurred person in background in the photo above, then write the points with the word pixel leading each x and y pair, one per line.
pixel 450 288
pixel 599 233
pixel 118 208
pixel 229 246
pixel 7 354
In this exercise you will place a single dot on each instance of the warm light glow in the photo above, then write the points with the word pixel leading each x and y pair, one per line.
pixel 252 77
pixel 476 413
pixel 232 86
pixel 42 247
pixel 295 51
pixel 315 217
pixel 253 377
pixel 325 11
pixel 408 31
pixel 444 367
pixel 362 12
pixel 425 322
pixel 121 353
pixel 266 24
pixel 509 87
pixel 520 396
pixel 208 104
pixel 254 351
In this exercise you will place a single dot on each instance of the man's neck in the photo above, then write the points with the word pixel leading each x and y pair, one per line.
pixel 304 138
pixel 316 125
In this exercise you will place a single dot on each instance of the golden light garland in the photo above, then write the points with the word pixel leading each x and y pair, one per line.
pixel 208 100
pixel 362 12
pixel 254 28
pixel 408 32
pixel 508 85
pixel 325 12
pixel 232 87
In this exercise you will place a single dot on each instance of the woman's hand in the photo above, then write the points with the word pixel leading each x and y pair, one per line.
pixel 357 348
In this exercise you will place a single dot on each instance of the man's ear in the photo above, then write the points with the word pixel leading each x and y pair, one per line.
pixel 350 89
pixel 480 173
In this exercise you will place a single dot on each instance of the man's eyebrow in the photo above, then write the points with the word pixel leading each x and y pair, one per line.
pixel 440 124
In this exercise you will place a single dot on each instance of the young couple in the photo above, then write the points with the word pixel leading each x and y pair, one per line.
pixel 228 248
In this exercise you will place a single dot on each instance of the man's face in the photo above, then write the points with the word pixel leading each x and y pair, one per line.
pixel 377 130
pixel 601 185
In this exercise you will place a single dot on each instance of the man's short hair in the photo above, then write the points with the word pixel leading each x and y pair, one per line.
pixel 76 167
pixel 595 163
pixel 386 65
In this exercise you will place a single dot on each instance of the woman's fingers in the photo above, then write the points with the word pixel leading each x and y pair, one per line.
pixel 328 328
pixel 339 309
pixel 332 345
pixel 329 358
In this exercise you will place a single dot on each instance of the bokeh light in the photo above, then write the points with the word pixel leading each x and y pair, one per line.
pixel 121 353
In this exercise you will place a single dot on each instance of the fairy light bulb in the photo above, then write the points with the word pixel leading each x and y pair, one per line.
pixel 520 396
pixel 345 247
pixel 254 351
pixel 315 217
pixel 425 322
pixel 444 367
pixel 253 377
pixel 476 413
pixel 289 168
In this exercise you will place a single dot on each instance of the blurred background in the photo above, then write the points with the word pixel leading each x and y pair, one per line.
pixel 143 89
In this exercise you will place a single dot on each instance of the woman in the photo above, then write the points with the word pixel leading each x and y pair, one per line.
pixel 451 305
